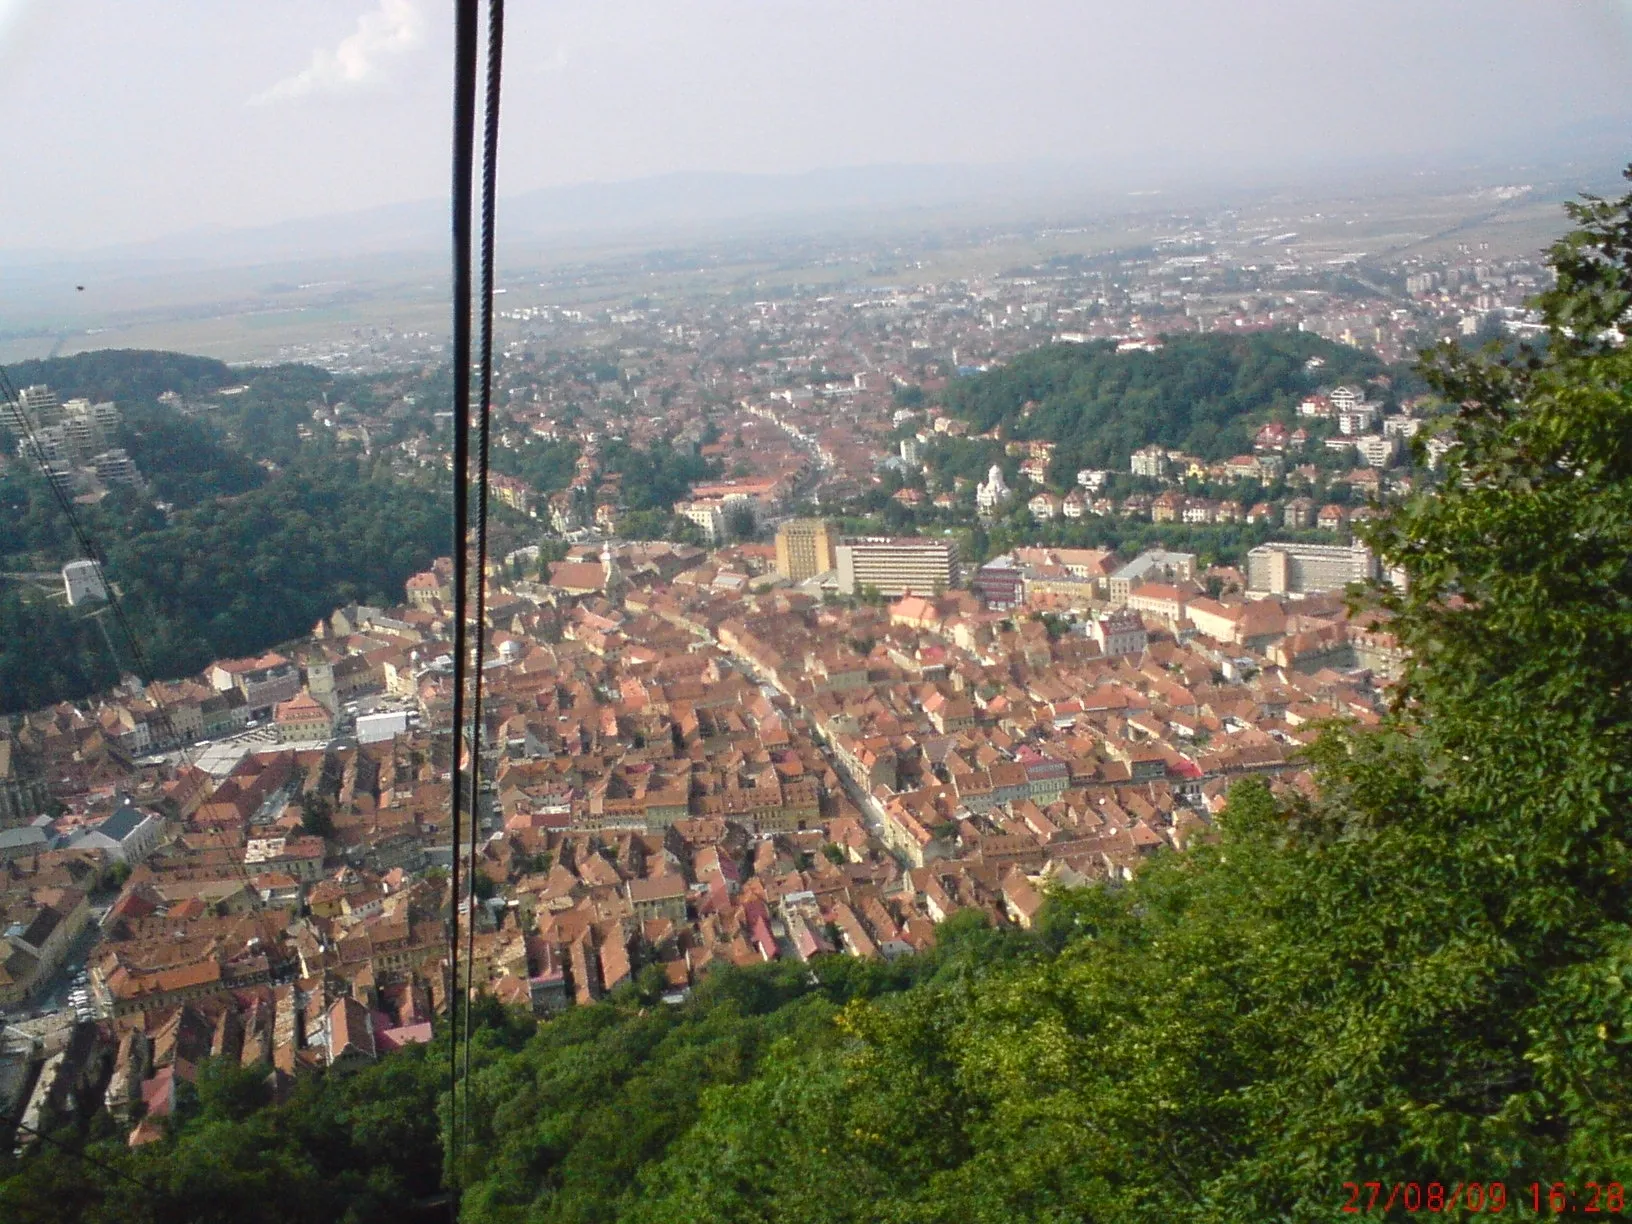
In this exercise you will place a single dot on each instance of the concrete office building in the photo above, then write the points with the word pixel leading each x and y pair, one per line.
pixel 896 566
pixel 37 405
pixel 1307 569
pixel 1121 632
pixel 1000 583
pixel 1149 461
pixel 804 548
pixel 709 516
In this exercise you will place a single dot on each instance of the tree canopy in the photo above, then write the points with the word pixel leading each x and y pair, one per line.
pixel 1196 393
pixel 123 375
pixel 266 532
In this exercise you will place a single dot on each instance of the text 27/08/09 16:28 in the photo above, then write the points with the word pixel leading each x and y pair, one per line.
pixel 1535 1198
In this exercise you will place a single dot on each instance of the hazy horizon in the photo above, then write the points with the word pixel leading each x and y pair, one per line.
pixel 129 127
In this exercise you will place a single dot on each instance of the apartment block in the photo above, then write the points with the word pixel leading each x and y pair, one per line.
pixel 1305 569
pixel 896 566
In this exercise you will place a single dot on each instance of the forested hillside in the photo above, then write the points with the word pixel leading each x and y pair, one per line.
pixel 1421 975
pixel 265 532
pixel 223 579
pixel 1201 394
pixel 186 459
pixel 124 375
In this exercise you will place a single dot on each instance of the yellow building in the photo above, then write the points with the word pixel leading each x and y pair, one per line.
pixel 804 548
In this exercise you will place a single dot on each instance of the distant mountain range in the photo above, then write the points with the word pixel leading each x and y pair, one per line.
pixel 666 205
pixel 673 205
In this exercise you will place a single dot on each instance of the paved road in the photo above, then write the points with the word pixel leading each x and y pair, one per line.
pixel 50 1007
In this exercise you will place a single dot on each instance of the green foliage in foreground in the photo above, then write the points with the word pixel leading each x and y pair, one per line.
pixel 1424 975
pixel 564 1115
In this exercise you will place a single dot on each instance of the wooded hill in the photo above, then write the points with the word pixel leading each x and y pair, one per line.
pixel 1204 394
pixel 266 532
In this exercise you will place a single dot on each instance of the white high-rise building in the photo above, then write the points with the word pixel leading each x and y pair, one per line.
pixel 1284 568
pixel 116 467
pixel 1149 461
pixel 41 404
pixel 1378 450
pixel 1093 479
pixel 707 515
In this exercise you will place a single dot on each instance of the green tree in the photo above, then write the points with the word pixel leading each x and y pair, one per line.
pixel 1423 969
pixel 316 815
pixel 740 523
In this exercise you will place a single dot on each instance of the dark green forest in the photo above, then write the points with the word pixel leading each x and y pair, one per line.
pixel 186 460
pixel 124 375
pixel 1424 974
pixel 265 532
pixel 546 466
pixel 235 576
pixel 657 476
pixel 223 579
pixel 1202 394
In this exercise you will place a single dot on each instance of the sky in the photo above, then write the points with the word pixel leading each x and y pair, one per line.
pixel 124 121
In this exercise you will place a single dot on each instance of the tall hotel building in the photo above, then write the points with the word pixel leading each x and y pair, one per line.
pixel 804 548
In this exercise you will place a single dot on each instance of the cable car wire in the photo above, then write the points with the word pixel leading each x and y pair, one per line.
pixel 490 165
pixel 464 137
pixel 81 1154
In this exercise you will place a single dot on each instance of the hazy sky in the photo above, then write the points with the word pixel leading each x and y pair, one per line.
pixel 128 119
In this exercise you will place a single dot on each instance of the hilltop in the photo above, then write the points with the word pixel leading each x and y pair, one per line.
pixel 1200 394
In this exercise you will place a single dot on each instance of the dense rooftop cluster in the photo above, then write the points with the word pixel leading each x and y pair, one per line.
pixel 688 760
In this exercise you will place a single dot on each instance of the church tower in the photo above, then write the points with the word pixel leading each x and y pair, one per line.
pixel 614 583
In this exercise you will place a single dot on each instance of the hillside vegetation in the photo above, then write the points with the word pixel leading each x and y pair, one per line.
pixel 265 534
pixel 1424 974
pixel 1201 394
pixel 123 375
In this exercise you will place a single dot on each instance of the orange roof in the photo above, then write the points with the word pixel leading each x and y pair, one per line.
pixel 302 707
